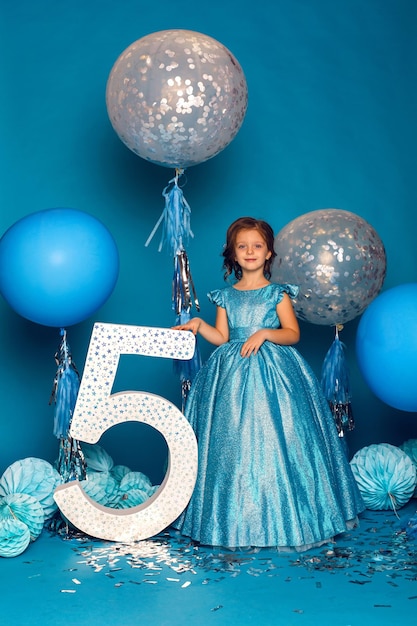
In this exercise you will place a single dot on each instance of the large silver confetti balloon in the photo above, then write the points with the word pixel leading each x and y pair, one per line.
pixel 338 261
pixel 176 97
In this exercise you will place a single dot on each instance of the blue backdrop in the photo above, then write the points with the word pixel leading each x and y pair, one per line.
pixel 330 124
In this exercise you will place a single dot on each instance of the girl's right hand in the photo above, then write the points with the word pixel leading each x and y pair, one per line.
pixel 193 325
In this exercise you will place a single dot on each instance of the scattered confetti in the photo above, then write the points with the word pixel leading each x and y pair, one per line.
pixel 389 553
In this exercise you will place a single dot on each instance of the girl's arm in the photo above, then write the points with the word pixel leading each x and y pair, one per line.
pixel 287 335
pixel 216 335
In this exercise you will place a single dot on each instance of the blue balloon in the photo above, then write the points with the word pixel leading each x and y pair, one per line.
pixel 57 266
pixel 386 347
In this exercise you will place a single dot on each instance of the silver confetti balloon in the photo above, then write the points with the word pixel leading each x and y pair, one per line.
pixel 338 261
pixel 176 97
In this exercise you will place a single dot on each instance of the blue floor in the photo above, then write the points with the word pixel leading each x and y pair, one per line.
pixel 369 576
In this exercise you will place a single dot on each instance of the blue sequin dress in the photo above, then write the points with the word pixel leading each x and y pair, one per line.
pixel 272 469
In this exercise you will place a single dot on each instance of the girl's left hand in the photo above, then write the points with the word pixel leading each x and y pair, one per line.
pixel 252 345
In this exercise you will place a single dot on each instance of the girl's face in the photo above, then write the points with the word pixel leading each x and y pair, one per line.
pixel 251 250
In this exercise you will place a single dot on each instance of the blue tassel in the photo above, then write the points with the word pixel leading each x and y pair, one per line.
pixel 336 387
pixel 183 293
pixel 176 230
pixel 65 399
pixel 187 370
pixel 70 463
pixel 175 218
pixel 65 391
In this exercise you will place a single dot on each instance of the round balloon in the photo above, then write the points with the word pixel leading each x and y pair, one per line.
pixel 338 261
pixel 176 97
pixel 386 346
pixel 57 266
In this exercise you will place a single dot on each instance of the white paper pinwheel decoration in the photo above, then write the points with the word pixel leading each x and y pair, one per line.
pixel 26 509
pixel 34 477
pixel 14 537
pixel 385 475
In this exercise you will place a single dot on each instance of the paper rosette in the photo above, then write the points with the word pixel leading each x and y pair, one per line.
pixel 135 488
pixel 14 537
pixel 115 486
pixel 410 448
pixel 118 471
pixel 385 475
pixel 97 458
pixel 26 509
pixel 34 477
pixel 135 480
pixel 95 487
pixel 131 498
pixel 103 487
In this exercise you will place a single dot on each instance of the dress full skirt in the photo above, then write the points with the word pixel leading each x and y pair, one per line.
pixel 272 469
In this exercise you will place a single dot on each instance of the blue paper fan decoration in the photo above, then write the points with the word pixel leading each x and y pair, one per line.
pixel 26 509
pixel 95 487
pixel 131 498
pixel 153 490
pixel 135 488
pixel 410 448
pixel 14 537
pixel 97 458
pixel 385 475
pixel 35 477
pixel 118 471
pixel 135 480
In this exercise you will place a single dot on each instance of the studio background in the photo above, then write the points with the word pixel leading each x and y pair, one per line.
pixel 330 124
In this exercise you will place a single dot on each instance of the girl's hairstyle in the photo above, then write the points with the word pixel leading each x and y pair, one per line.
pixel 246 223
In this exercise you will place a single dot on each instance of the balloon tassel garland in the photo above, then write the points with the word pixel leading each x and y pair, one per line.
pixel 176 229
pixel 177 119
pixel 183 286
pixel 335 383
pixel 175 218
pixel 71 463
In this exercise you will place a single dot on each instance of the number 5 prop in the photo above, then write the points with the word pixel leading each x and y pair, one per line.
pixel 97 410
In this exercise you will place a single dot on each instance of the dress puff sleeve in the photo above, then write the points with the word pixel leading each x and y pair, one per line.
pixel 291 290
pixel 216 297
pixel 279 290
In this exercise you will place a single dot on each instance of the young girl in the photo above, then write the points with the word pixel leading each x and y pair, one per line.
pixel 272 470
